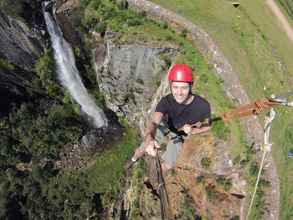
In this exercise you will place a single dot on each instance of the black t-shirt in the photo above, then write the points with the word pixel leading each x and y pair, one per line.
pixel 181 114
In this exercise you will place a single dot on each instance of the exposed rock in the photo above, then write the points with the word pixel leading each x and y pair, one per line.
pixel 64 6
pixel 18 44
pixel 20 47
pixel 65 15
pixel 78 155
pixel 130 75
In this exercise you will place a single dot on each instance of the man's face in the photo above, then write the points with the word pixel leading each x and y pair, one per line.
pixel 180 91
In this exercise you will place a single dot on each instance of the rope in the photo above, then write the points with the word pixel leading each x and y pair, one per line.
pixel 266 149
pixel 164 199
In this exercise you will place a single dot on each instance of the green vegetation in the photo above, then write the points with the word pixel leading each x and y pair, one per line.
pixel 288 7
pixel 206 162
pixel 15 11
pixel 44 195
pixel 29 135
pixel 200 179
pixel 6 65
pixel 220 130
pixel 188 208
pixel 100 15
pixel 137 186
pixel 225 183
pixel 47 77
pixel 18 9
pixel 259 54
pixel 212 194
pixel 112 161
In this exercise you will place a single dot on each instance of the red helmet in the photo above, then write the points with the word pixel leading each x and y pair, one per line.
pixel 181 73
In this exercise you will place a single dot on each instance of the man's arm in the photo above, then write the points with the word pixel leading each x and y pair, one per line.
pixel 151 129
pixel 149 139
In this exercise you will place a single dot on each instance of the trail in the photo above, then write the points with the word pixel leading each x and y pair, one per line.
pixel 281 17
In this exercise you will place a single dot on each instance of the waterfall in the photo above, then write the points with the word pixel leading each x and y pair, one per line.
pixel 69 75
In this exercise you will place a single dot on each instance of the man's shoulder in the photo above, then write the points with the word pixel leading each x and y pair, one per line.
pixel 164 104
pixel 167 98
pixel 201 100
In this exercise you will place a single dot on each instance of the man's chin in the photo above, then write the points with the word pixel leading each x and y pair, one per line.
pixel 179 101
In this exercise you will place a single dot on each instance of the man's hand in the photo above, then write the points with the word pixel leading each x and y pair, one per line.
pixel 193 129
pixel 151 148
pixel 187 128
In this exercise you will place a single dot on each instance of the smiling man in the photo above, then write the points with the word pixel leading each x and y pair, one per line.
pixel 174 117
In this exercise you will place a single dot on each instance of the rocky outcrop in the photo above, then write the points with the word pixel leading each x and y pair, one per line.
pixel 66 13
pixel 129 75
pixel 19 44
pixel 20 47
pixel 80 154
pixel 118 68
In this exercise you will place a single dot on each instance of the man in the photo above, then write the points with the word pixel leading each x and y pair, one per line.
pixel 177 111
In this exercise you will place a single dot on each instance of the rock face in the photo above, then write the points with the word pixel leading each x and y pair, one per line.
pixel 66 13
pixel 20 47
pixel 18 44
pixel 129 75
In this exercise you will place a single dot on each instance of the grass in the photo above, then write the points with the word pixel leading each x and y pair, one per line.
pixel 5 65
pixel 106 175
pixel 287 7
pixel 250 38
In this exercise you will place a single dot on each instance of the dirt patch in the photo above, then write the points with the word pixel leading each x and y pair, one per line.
pixel 281 17
pixel 195 188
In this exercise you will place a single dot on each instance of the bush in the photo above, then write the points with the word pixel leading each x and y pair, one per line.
pixel 220 130
pixel 14 8
pixel 253 168
pixel 212 193
pixel 200 179
pixel 43 134
pixel 5 65
pixel 225 183
pixel 134 21
pixel 205 162
pixel 188 208
pixel 184 33
pixel 46 71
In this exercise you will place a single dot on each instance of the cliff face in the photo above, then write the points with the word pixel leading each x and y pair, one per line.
pixel 19 44
pixel 20 47
pixel 129 74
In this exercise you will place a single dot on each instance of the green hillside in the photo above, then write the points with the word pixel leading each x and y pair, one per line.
pixel 287 6
pixel 250 38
